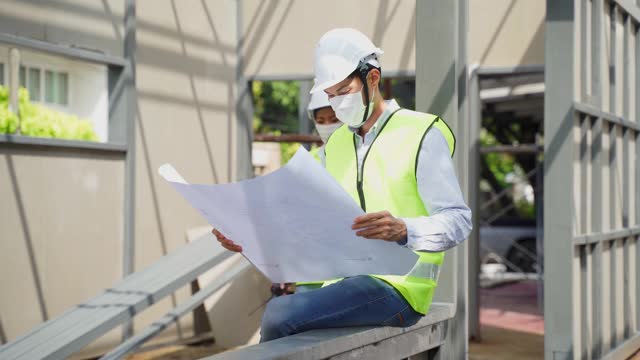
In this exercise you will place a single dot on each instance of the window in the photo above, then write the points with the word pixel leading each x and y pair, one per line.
pixel 34 84
pixel 53 89
pixel 23 76
pixel 56 87
pixel 30 78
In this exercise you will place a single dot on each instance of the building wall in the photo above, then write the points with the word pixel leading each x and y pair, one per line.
pixel 501 32
pixel 506 32
pixel 60 231
pixel 73 201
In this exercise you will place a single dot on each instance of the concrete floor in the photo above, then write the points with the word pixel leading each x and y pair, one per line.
pixel 512 326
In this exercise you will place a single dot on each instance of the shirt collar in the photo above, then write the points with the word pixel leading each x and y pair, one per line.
pixel 392 106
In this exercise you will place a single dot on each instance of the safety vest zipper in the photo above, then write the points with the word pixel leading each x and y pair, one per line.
pixel 359 172
pixel 363 204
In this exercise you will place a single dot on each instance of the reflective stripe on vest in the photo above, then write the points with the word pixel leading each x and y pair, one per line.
pixel 315 152
pixel 425 271
pixel 388 182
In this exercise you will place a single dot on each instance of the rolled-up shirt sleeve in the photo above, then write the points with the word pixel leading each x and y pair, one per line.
pixel 449 220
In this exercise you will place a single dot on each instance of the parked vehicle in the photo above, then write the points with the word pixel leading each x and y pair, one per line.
pixel 511 242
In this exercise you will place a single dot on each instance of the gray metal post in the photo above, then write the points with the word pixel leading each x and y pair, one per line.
pixel 130 164
pixel 539 202
pixel 441 89
pixel 558 181
pixel 475 124
pixel 637 170
pixel 303 101
pixel 14 81
pixel 244 108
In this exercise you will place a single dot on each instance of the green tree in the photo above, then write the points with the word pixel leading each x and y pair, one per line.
pixel 276 111
pixel 275 106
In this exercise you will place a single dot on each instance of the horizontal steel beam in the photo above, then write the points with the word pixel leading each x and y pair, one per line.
pixel 66 51
pixel 513 149
pixel 609 117
pixel 593 238
pixel 61 143
pixel 174 315
pixel 629 7
pixel 626 349
pixel 301 138
pixel 510 70
pixel 407 74
pixel 481 71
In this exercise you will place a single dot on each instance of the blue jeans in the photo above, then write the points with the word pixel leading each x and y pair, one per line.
pixel 355 301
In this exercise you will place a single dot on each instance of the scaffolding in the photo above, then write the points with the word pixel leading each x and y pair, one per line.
pixel 592 203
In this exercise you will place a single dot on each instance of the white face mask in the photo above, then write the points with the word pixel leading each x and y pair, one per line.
pixel 350 109
pixel 325 130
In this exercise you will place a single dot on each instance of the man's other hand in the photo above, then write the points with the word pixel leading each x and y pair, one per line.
pixel 226 243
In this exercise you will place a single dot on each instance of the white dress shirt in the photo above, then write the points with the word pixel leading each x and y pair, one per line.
pixel 449 220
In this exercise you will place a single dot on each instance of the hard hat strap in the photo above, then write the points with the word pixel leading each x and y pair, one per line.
pixel 363 71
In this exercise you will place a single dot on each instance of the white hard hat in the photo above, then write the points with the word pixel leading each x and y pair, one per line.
pixel 318 100
pixel 338 53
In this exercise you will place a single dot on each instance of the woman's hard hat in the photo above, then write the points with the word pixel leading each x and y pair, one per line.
pixel 318 100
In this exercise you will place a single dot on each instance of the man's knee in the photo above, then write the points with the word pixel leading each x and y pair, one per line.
pixel 276 320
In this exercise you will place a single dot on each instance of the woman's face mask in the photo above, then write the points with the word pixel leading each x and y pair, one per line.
pixel 325 130
pixel 350 109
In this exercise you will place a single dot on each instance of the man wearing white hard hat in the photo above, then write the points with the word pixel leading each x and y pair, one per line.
pixel 396 163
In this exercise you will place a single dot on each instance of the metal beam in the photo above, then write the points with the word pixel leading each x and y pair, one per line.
pixel 22 141
pixel 513 149
pixel 408 74
pixel 473 198
pixel 607 116
pixel 304 123
pixel 243 125
pixel 65 51
pixel 129 99
pixel 174 315
pixel 303 102
pixel 558 182
pixel 629 8
pixel 606 236
pixel 441 89
pixel 299 138
pixel 626 349
pixel 14 81
pixel 485 71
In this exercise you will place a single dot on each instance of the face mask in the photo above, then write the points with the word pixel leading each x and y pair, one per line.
pixel 326 130
pixel 349 108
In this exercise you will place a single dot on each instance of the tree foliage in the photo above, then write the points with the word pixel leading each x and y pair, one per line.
pixel 40 121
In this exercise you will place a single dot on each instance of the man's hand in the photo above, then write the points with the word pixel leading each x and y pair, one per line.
pixel 380 225
pixel 226 243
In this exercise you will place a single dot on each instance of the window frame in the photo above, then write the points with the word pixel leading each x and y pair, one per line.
pixel 3 73
pixel 43 70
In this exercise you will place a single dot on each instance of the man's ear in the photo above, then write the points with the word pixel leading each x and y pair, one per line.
pixel 374 78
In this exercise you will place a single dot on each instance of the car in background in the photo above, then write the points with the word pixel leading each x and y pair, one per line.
pixel 511 242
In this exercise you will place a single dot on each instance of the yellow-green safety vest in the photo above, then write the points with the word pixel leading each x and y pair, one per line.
pixel 388 182
pixel 315 152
